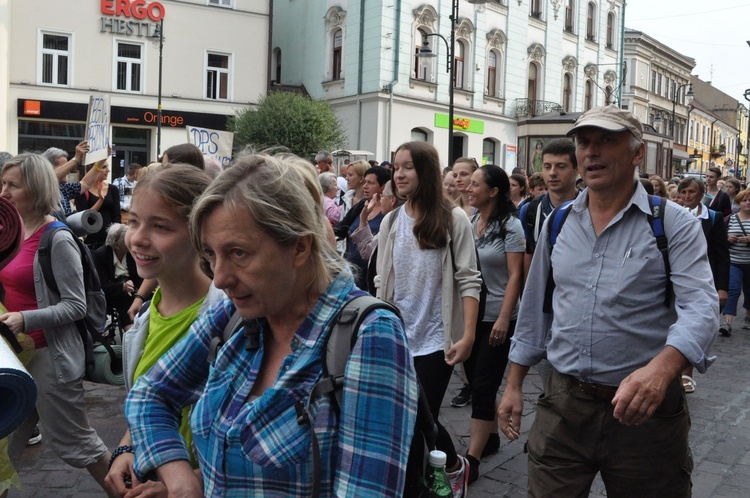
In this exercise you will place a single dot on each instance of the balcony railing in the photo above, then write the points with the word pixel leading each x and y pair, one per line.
pixel 529 107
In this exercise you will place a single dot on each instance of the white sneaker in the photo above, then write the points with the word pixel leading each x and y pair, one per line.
pixel 460 479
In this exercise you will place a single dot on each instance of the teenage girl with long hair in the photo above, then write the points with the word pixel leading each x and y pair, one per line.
pixel 159 240
pixel 463 168
pixel 427 268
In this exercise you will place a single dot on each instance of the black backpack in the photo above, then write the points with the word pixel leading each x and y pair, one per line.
pixel 90 327
pixel 340 340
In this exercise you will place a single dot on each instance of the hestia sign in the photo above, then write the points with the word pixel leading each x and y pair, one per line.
pixel 131 17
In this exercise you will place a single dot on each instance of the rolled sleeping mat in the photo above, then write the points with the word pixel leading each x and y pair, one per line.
pixel 17 391
pixel 85 222
pixel 106 369
pixel 11 232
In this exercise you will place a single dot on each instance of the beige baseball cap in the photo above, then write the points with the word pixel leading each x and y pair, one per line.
pixel 610 118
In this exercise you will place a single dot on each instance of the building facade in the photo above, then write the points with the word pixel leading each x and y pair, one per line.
pixel 513 60
pixel 214 60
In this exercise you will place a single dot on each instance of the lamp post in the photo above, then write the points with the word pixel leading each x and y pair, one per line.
pixel 689 94
pixel 451 47
pixel 747 139
pixel 159 34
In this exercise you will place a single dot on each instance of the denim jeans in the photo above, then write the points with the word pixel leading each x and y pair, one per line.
pixel 739 281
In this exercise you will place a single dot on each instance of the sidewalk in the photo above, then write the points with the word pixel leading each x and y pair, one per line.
pixel 719 438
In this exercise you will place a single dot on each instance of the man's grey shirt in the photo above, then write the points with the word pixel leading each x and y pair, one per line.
pixel 608 303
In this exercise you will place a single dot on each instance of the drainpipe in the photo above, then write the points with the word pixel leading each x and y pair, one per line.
pixel 359 71
pixel 622 51
pixel 392 84
pixel 270 47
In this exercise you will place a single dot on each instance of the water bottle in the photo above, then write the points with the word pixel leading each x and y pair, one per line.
pixel 440 486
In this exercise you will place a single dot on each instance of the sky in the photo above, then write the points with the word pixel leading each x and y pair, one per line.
pixel 713 33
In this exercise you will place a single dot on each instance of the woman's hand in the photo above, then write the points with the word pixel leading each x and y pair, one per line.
pixel 367 209
pixel 744 239
pixel 459 352
pixel 732 239
pixel 499 331
pixel 120 472
pixel 128 287
pixel 14 321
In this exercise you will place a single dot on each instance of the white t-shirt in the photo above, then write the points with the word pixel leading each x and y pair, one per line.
pixel 417 289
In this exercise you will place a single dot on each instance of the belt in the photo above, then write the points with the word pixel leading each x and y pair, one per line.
pixel 599 391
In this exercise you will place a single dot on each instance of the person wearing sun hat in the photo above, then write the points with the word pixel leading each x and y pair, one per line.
pixel 614 403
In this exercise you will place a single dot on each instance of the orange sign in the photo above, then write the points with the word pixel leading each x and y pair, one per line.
pixel 32 108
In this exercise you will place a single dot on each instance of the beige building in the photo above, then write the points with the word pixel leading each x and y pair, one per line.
pixel 55 54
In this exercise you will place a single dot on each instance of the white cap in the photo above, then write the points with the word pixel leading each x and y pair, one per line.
pixel 438 458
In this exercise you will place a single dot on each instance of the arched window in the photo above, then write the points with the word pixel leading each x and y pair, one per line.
pixel 422 65
pixel 277 65
pixel 336 58
pixel 589 95
pixel 418 135
pixel 608 97
pixel 492 73
pixel 458 65
pixel 569 15
pixel 611 30
pixel 532 86
pixel 590 21
pixel 568 92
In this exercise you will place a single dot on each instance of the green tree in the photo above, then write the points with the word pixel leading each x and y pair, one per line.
pixel 301 124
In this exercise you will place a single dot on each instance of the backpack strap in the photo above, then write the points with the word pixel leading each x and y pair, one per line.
pixel 233 325
pixel 45 254
pixel 556 219
pixel 656 220
pixel 339 341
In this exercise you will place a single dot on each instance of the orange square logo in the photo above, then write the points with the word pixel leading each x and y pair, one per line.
pixel 32 108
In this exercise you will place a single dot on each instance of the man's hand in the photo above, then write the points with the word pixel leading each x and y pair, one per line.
pixel 723 298
pixel 122 469
pixel 641 392
pixel 509 413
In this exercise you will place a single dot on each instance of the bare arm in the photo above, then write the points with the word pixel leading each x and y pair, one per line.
pixel 62 171
pixel 511 405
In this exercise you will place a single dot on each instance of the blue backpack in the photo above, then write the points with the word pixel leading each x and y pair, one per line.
pixel 655 220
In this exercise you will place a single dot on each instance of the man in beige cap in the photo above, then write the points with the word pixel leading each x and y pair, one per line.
pixel 619 335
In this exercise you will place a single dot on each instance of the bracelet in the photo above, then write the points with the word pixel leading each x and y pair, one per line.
pixel 136 294
pixel 119 451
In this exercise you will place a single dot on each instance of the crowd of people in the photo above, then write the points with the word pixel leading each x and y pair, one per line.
pixel 230 283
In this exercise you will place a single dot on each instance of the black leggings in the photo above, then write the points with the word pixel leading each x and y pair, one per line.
pixel 434 374
pixel 485 369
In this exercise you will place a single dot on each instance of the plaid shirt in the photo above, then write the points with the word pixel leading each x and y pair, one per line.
pixel 255 447
pixel 69 191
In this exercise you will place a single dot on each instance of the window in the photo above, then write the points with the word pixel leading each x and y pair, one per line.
pixel 589 97
pixel 590 16
pixel 336 59
pixel 217 76
pixel 458 65
pixel 535 8
pixel 128 64
pixel 567 92
pixel 488 151
pixel 221 3
pixel 611 30
pixel 653 81
pixel 658 84
pixel 422 65
pixel 55 60
pixel 492 74
pixel 532 83
pixel 569 16
pixel 418 135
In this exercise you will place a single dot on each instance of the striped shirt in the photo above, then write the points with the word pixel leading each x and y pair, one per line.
pixel 739 253
pixel 255 447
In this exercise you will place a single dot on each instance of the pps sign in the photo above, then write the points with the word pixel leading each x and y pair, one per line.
pixel 97 128
pixel 212 143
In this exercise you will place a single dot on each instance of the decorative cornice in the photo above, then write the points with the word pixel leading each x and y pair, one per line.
pixel 536 52
pixel 496 39
pixel 464 28
pixel 570 63
pixel 425 15
pixel 591 71
pixel 335 17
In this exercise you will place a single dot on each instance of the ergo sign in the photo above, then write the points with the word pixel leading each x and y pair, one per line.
pixel 137 9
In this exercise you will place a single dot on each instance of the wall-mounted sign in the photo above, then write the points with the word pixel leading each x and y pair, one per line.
pixel 130 17
pixel 459 123
pixel 32 108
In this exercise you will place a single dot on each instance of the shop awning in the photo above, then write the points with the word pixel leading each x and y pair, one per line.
pixel 679 155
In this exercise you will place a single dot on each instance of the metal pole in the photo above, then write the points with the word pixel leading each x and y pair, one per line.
pixel 158 111
pixel 674 102
pixel 452 79
pixel 747 137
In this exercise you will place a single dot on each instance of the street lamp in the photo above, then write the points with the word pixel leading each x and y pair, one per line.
pixel 689 96
pixel 159 34
pixel 747 139
pixel 426 52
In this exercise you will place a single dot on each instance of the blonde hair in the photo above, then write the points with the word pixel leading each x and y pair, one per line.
pixel 360 167
pixel 39 177
pixel 283 196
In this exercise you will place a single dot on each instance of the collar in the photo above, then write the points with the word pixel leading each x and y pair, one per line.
pixel 700 211
pixel 639 200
